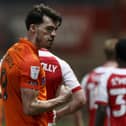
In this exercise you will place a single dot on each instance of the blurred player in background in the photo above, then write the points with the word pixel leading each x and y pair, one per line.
pixel 112 90
pixel 90 81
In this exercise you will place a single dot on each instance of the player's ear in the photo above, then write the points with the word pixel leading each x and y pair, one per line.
pixel 33 28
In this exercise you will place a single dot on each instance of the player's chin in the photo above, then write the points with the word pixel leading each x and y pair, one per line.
pixel 49 46
pixel 50 43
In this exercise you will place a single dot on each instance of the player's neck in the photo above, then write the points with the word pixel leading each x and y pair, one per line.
pixel 111 63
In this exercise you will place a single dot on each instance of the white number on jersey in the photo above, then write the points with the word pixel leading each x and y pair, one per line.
pixel 119 94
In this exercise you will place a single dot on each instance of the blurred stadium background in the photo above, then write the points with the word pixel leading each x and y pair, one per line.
pixel 86 25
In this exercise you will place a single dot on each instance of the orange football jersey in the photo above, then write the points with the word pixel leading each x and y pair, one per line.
pixel 21 68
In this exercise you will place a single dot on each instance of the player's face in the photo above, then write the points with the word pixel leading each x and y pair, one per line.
pixel 46 33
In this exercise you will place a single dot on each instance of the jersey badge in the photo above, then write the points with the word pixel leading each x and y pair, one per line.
pixel 34 73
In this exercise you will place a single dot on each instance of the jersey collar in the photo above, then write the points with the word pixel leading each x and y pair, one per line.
pixel 29 43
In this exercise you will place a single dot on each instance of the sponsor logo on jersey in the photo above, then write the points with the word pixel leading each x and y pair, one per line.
pixel 34 72
pixel 49 67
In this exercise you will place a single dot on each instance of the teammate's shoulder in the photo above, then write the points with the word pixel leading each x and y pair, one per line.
pixel 102 69
pixel 119 71
pixel 46 53
pixel 85 78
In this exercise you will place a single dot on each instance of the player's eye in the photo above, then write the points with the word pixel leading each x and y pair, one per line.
pixel 50 29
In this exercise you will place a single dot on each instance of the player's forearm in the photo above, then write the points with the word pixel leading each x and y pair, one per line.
pixel 68 109
pixel 32 106
pixel 77 103
pixel 78 119
pixel 39 106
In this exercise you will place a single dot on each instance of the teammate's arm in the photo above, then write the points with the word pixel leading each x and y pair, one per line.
pixel 78 97
pixel 77 115
pixel 78 118
pixel 77 102
pixel 33 106
pixel 100 115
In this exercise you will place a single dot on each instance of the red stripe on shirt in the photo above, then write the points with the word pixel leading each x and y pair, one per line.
pixel 76 89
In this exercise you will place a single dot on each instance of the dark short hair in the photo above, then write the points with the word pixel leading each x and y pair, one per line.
pixel 120 49
pixel 35 15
